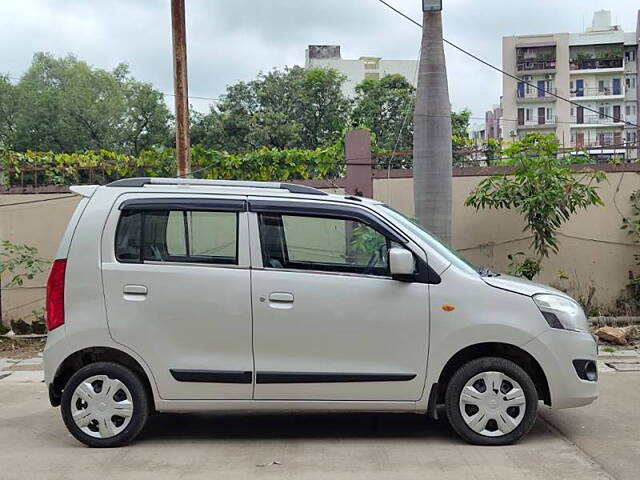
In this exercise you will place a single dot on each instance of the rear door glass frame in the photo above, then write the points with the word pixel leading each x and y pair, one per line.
pixel 148 205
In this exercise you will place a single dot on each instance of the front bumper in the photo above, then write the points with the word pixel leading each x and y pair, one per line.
pixel 555 350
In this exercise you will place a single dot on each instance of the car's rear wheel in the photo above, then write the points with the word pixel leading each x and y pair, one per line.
pixel 491 401
pixel 105 405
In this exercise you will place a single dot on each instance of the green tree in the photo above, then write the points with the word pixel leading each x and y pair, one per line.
pixel 293 108
pixel 542 189
pixel 146 118
pixel 65 105
pixel 325 110
pixel 385 107
pixel 492 150
pixel 7 112
pixel 460 141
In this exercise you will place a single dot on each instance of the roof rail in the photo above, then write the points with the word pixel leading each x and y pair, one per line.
pixel 142 181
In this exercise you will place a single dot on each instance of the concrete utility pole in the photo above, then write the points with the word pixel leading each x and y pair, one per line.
pixel 180 87
pixel 432 154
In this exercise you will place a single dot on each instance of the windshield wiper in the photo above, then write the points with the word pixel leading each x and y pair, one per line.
pixel 485 272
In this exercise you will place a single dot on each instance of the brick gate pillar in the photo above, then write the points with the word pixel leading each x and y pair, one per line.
pixel 359 180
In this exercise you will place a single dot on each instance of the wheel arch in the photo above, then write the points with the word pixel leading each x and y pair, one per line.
pixel 493 349
pixel 89 355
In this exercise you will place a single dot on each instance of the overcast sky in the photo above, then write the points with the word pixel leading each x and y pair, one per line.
pixel 231 40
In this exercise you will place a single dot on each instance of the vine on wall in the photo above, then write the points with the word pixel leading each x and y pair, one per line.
pixel 103 166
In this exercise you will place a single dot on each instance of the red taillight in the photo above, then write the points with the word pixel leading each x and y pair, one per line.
pixel 55 294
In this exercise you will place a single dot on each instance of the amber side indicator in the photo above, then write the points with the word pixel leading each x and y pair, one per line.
pixel 448 308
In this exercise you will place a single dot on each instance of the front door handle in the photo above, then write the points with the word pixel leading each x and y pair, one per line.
pixel 281 297
pixel 134 290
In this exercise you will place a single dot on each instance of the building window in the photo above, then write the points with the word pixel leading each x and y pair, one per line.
pixel 372 76
pixel 601 86
pixel 572 111
pixel 630 82
pixel 549 114
pixel 630 55
pixel 601 111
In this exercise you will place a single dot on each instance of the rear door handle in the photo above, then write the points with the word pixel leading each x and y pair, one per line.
pixel 281 297
pixel 134 290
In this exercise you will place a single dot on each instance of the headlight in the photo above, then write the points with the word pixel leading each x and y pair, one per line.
pixel 560 312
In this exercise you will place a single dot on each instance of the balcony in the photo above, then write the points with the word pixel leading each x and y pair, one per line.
pixel 598 120
pixel 535 95
pixel 603 141
pixel 538 123
pixel 596 64
pixel 523 65
pixel 590 93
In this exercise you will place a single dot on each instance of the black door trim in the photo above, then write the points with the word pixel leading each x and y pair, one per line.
pixel 321 377
pixel 191 204
pixel 211 376
pixel 331 210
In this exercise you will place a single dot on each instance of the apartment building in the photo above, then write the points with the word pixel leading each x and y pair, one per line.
pixel 597 69
pixel 356 70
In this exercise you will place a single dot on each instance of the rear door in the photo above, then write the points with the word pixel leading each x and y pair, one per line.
pixel 177 290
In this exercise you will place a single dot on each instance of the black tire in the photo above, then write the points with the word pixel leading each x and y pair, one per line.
pixel 140 399
pixel 487 364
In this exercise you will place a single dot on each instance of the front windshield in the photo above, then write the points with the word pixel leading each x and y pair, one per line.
pixel 428 238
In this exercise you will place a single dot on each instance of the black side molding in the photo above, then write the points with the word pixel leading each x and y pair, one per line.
pixel 319 377
pixel 211 376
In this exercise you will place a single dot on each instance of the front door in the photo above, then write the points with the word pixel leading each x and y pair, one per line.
pixel 541 85
pixel 541 115
pixel 329 322
pixel 177 291
pixel 579 88
pixel 580 115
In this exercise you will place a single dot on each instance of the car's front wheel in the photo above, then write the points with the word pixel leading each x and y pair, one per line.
pixel 491 401
pixel 105 404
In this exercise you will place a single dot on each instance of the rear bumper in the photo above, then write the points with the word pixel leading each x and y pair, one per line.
pixel 555 350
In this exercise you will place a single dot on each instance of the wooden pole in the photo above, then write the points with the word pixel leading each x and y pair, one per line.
pixel 178 29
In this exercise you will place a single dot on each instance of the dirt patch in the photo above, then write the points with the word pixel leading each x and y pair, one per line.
pixel 20 347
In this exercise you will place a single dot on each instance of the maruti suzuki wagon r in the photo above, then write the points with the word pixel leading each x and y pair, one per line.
pixel 175 295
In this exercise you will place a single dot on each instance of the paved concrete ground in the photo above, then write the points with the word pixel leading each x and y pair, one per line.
pixel 34 444
pixel 609 429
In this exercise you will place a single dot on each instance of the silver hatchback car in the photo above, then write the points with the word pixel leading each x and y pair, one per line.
pixel 172 295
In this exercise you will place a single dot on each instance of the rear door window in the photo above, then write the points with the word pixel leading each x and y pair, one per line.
pixel 166 235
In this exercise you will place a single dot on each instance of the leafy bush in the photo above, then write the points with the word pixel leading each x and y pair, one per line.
pixel 543 189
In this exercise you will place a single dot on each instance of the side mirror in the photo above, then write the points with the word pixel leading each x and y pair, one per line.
pixel 401 264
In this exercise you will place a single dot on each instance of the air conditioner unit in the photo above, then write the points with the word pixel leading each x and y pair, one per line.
pixel 548 76
pixel 528 78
